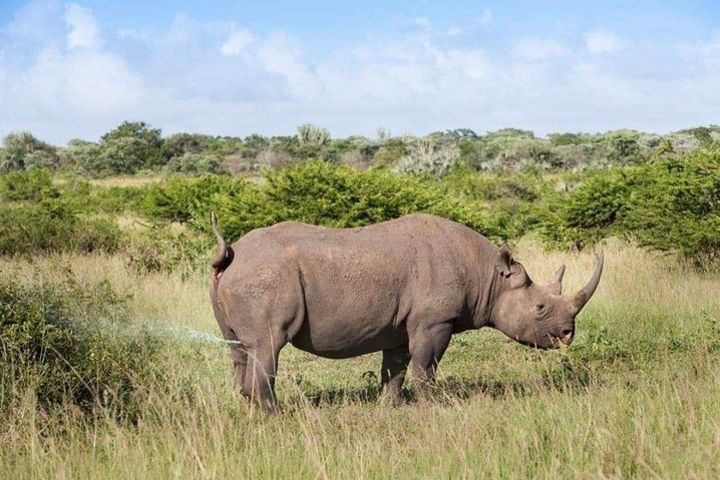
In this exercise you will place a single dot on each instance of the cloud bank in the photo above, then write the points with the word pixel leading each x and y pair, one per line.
pixel 63 75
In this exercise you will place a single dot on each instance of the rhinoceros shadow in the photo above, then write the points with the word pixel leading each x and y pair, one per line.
pixel 453 389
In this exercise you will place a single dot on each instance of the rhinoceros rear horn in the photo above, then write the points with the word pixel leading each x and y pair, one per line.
pixel 582 297
pixel 556 284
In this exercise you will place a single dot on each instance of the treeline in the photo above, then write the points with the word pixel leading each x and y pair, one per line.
pixel 135 147
pixel 669 203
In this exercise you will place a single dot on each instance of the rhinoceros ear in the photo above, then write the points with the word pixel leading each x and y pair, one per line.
pixel 508 268
pixel 504 261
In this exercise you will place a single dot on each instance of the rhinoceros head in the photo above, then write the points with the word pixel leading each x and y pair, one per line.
pixel 537 315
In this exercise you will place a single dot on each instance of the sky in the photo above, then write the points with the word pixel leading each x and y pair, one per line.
pixel 77 69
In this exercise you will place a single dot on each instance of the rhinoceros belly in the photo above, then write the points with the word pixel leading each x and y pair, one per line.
pixel 353 303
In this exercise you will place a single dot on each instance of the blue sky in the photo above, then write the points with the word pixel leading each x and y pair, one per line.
pixel 76 69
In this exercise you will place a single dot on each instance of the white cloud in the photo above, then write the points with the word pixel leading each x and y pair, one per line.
pixel 602 41
pixel 237 42
pixel 421 22
pixel 218 77
pixel 486 17
pixel 36 21
pixel 279 55
pixel 84 31
pixel 537 49
pixel 471 63
pixel 87 81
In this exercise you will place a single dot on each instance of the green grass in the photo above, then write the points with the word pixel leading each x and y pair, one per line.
pixel 636 396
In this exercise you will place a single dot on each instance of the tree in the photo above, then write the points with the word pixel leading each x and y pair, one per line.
pixel 140 140
pixel 310 134
pixel 22 150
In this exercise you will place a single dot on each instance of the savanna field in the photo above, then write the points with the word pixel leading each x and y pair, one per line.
pixel 111 365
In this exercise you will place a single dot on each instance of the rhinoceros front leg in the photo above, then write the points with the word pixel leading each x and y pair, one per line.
pixel 394 366
pixel 427 347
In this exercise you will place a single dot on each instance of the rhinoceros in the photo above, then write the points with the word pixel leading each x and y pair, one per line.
pixel 402 287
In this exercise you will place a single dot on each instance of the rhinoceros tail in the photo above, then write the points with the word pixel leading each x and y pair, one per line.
pixel 225 256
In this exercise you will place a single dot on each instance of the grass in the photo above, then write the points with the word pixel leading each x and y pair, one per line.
pixel 636 396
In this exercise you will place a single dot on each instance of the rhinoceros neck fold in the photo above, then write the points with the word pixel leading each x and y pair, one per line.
pixel 490 286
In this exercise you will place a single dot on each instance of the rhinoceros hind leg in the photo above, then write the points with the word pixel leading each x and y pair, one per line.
pixel 239 354
pixel 260 376
pixel 394 366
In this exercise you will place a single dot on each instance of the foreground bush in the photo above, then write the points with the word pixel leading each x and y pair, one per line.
pixel 31 186
pixel 72 344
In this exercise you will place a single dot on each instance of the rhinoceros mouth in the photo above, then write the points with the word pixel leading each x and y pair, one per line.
pixel 556 342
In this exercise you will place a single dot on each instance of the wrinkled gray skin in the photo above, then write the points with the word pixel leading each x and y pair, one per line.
pixel 402 287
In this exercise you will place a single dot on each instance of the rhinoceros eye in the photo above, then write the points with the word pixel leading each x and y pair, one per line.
pixel 540 309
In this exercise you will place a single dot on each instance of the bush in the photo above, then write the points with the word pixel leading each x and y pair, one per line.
pixel 176 198
pixel 138 140
pixel 676 207
pixel 310 134
pixel 390 152
pixel 52 226
pixel 513 200
pixel 72 345
pixel 125 155
pixel 671 204
pixel 23 150
pixel 82 196
pixel 160 249
pixel 338 196
pixel 85 156
pixel 194 164
pixel 179 144
pixel 427 157
pixel 27 186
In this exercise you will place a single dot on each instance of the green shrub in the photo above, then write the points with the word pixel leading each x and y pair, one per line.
pixel 310 134
pixel 175 198
pixel 27 186
pixel 594 210
pixel 338 196
pixel 194 164
pixel 671 204
pixel 72 344
pixel 81 196
pixel 22 150
pixel 120 156
pixel 490 187
pixel 85 156
pixel 134 143
pixel 677 205
pixel 428 157
pixel 178 144
pixel 390 152
pixel 53 226
pixel 160 249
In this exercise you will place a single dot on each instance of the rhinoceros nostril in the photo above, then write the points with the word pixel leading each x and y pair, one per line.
pixel 566 335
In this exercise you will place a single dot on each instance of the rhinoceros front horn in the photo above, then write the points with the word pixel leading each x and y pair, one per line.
pixel 582 297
